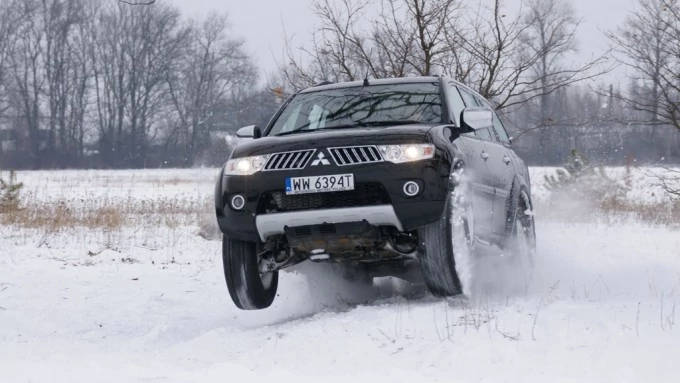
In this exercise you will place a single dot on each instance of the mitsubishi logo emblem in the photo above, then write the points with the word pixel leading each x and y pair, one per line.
pixel 320 160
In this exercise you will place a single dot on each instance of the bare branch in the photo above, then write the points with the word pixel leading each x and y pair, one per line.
pixel 648 44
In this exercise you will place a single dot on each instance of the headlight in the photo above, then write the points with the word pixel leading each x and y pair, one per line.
pixel 406 153
pixel 245 166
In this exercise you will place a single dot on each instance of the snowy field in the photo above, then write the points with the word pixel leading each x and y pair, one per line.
pixel 134 292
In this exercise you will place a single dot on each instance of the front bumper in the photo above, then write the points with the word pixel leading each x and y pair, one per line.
pixel 403 212
pixel 377 215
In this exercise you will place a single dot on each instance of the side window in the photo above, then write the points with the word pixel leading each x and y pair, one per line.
pixel 481 101
pixel 469 98
pixel 456 102
pixel 500 129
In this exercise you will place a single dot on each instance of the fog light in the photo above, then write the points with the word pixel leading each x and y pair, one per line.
pixel 411 188
pixel 238 202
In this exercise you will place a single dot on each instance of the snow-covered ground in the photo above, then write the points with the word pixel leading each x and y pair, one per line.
pixel 147 303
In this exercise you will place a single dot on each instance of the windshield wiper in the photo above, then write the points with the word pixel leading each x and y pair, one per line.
pixel 355 125
pixel 391 122
pixel 316 130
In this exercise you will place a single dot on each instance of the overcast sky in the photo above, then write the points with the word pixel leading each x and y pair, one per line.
pixel 262 23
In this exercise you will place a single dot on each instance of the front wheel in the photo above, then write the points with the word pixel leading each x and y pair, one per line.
pixel 445 247
pixel 249 288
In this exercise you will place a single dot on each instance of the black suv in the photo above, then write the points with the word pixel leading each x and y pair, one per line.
pixel 380 176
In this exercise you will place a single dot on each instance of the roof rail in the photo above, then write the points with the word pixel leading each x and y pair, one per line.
pixel 323 83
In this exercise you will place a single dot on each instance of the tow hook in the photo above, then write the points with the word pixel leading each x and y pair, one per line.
pixel 267 262
pixel 319 255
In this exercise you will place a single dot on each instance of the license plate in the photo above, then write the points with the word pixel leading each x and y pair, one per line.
pixel 319 184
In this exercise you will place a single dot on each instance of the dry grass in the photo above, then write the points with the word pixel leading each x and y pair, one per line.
pixel 132 205
pixel 174 181
pixel 110 215
pixel 62 216
pixel 666 213
pixel 662 213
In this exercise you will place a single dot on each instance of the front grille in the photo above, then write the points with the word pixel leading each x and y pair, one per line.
pixel 354 155
pixel 367 194
pixel 289 160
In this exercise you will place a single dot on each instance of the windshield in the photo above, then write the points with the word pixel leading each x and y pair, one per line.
pixel 374 105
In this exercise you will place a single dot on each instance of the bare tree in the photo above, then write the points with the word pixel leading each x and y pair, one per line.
pixel 132 49
pixel 670 182
pixel 503 58
pixel 338 50
pixel 66 76
pixel 644 43
pixel 8 22
pixel 512 65
pixel 213 66
pixel 152 47
pixel 406 37
pixel 552 26
pixel 419 36
pixel 648 44
pixel 76 73
pixel 26 63
pixel 105 34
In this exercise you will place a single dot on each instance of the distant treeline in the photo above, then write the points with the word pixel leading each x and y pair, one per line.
pixel 101 83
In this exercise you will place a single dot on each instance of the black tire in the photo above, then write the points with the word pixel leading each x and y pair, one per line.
pixel 524 234
pixel 436 246
pixel 248 288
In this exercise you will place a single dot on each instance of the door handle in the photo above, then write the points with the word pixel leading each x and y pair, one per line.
pixel 506 159
pixel 485 155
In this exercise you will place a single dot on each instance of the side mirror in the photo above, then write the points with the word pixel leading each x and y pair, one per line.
pixel 472 119
pixel 250 131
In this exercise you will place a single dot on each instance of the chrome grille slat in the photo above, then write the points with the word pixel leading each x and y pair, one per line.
pixel 278 161
pixel 369 154
pixel 366 152
pixel 350 155
pixel 293 160
pixel 376 152
pixel 305 158
pixel 269 162
pixel 346 155
pixel 362 151
pixel 288 159
pixel 355 155
pixel 337 157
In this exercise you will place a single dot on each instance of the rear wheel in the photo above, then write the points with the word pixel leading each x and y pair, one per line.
pixel 445 246
pixel 249 288
pixel 524 236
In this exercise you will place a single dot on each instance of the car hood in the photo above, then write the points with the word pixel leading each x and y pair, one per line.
pixel 403 134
